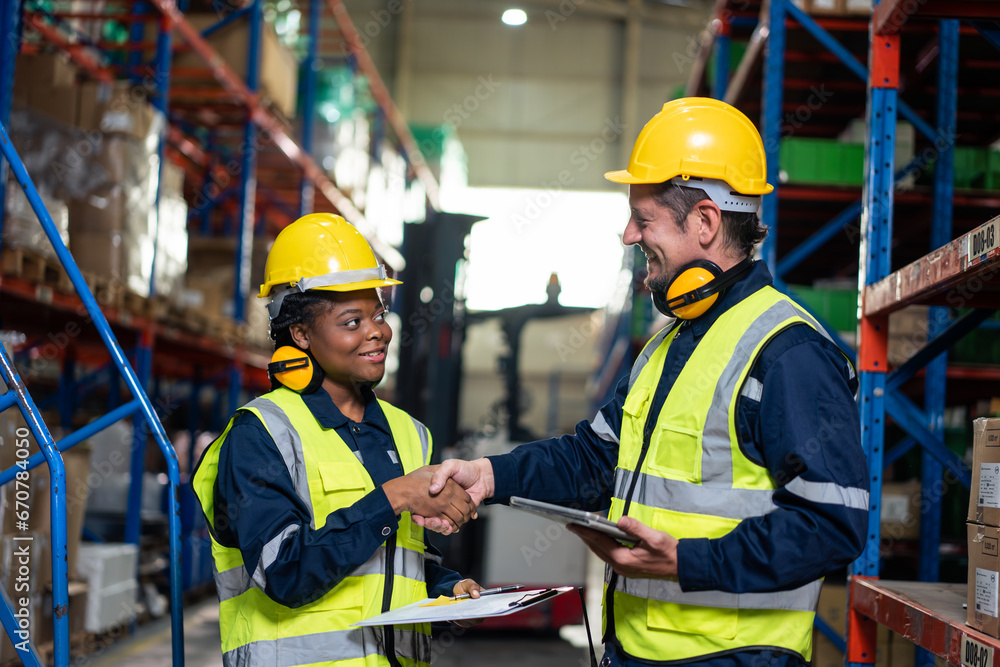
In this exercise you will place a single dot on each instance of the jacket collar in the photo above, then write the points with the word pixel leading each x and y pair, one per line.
pixel 329 415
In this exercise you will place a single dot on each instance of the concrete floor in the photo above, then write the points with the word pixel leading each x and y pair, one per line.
pixel 150 646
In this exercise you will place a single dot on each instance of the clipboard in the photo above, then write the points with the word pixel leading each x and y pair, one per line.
pixel 566 515
pixel 501 604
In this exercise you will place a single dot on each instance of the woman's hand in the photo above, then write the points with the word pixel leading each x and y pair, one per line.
pixel 451 506
pixel 472 588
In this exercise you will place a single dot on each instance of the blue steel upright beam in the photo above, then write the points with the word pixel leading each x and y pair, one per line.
pixel 937 317
pixel 248 195
pixel 25 548
pixel 875 264
pixel 10 29
pixel 876 232
pixel 774 82
pixel 310 67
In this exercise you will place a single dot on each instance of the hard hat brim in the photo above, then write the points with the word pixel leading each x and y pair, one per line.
pixel 365 284
pixel 622 176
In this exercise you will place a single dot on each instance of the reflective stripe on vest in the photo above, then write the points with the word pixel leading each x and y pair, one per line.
pixel 326 476
pixel 406 562
pixel 695 482
pixel 352 644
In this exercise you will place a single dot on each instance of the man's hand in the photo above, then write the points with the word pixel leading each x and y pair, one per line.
pixel 655 556
pixel 450 506
pixel 476 477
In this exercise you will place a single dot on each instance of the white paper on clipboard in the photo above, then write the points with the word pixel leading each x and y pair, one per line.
pixel 500 604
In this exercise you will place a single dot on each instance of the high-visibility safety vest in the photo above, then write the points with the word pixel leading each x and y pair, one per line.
pixel 691 480
pixel 327 476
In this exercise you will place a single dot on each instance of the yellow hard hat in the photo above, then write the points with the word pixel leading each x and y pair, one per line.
pixel 702 138
pixel 320 251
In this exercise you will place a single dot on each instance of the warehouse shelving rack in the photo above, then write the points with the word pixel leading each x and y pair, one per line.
pixel 17 394
pixel 242 117
pixel 928 613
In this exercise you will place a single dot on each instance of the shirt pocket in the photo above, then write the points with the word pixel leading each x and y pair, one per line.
pixel 675 452
pixel 338 487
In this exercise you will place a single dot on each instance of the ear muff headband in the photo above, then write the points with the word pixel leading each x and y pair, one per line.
pixel 295 369
pixel 696 288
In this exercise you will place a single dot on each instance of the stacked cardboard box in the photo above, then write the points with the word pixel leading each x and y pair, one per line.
pixel 836 7
pixel 984 528
pixel 278 67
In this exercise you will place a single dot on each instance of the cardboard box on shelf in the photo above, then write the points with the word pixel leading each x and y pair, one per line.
pixel 984 578
pixel 839 7
pixel 278 67
pixel 117 107
pixel 984 495
pixel 900 514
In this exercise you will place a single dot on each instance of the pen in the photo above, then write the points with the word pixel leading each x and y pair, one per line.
pixel 489 591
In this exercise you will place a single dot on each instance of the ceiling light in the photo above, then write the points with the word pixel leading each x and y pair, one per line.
pixel 514 17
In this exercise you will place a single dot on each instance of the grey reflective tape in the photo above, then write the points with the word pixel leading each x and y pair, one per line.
pixel 434 558
pixel 644 356
pixel 752 389
pixel 326 647
pixel 359 457
pixel 406 563
pixel 269 554
pixel 803 598
pixel 680 496
pixel 231 583
pixel 716 452
pixel 829 493
pixel 392 456
pixel 289 445
pixel 425 440
pixel 602 429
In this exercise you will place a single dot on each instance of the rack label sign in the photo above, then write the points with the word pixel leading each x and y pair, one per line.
pixel 986 592
pixel 983 241
pixel 989 485
pixel 976 654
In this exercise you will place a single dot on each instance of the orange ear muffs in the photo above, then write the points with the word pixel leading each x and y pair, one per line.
pixel 696 288
pixel 295 369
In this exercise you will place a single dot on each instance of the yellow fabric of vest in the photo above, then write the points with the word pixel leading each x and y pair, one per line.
pixel 253 626
pixel 655 629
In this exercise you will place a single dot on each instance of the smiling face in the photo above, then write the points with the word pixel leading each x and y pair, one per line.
pixel 667 245
pixel 349 341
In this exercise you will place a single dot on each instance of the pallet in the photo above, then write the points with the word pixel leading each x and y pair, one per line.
pixel 36 268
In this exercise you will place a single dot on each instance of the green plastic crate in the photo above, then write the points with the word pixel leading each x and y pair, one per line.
pixel 837 308
pixel 821 161
pixel 970 166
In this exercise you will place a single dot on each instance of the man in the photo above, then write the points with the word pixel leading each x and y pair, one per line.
pixel 732 451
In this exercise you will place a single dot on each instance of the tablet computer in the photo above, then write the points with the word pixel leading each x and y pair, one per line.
pixel 566 515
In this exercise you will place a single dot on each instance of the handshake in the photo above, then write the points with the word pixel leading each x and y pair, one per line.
pixel 442 497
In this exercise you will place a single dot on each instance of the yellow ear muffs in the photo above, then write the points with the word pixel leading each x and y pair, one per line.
pixel 696 288
pixel 295 369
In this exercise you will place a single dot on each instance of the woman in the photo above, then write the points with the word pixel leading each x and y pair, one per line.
pixel 310 489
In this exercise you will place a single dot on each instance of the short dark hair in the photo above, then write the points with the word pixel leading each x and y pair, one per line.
pixel 740 231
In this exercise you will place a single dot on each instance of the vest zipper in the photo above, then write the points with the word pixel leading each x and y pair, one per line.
pixel 647 433
pixel 387 630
